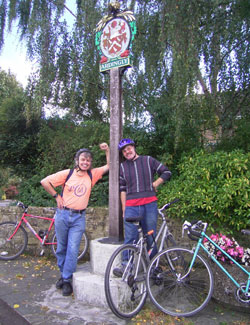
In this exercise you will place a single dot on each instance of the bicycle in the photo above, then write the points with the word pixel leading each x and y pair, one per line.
pixel 184 283
pixel 127 294
pixel 14 237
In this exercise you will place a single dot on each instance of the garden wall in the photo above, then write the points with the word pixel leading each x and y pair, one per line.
pixel 96 223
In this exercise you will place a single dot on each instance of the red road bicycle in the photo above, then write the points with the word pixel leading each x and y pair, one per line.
pixel 14 237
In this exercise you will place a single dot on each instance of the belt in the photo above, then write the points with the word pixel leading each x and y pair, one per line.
pixel 73 210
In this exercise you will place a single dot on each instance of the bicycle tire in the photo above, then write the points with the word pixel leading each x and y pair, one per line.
pixel 84 245
pixel 125 295
pixel 9 250
pixel 174 294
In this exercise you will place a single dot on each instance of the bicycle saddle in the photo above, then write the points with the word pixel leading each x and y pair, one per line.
pixel 133 219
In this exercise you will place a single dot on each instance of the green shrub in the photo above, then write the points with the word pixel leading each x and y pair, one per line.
pixel 32 193
pixel 59 140
pixel 213 187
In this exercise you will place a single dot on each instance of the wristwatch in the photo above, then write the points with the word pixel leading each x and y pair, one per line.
pixel 55 195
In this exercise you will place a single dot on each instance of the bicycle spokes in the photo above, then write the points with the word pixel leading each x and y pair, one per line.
pixel 175 287
pixel 126 291
pixel 14 247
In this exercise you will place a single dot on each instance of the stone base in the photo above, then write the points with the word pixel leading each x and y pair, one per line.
pixel 88 280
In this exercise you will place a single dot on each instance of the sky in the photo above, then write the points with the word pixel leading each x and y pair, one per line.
pixel 13 58
pixel 13 55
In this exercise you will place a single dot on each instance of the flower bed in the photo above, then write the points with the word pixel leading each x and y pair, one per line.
pixel 231 247
pixel 224 288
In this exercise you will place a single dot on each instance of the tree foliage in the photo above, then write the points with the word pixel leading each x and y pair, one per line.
pixel 64 52
pixel 180 45
pixel 213 187
pixel 17 137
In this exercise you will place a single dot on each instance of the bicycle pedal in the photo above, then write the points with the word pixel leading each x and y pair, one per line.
pixel 42 253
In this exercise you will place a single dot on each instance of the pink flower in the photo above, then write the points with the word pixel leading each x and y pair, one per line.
pixel 229 242
pixel 230 251
pixel 230 246
pixel 214 237
pixel 240 250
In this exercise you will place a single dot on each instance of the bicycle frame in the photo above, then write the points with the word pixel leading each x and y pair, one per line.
pixel 43 240
pixel 164 229
pixel 142 245
pixel 200 245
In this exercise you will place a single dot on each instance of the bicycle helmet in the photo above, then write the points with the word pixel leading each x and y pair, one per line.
pixel 79 152
pixel 125 142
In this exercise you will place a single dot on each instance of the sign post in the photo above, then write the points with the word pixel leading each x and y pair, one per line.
pixel 114 35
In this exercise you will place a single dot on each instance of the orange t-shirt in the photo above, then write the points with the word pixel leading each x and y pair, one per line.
pixel 77 189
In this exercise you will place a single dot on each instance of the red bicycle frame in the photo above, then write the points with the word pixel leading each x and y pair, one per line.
pixel 43 240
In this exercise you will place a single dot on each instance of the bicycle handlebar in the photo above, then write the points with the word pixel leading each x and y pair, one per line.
pixel 166 206
pixel 194 229
pixel 245 231
pixel 21 205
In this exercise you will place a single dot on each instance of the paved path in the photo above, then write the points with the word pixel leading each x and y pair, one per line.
pixel 27 286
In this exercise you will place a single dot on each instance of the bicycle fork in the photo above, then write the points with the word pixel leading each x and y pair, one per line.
pixel 128 276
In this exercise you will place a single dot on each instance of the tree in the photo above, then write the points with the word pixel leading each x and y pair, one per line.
pixel 68 67
pixel 180 45
pixel 17 138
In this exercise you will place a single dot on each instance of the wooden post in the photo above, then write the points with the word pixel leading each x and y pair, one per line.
pixel 115 213
pixel 114 36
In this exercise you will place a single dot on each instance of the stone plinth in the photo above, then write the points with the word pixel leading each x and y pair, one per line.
pixel 88 281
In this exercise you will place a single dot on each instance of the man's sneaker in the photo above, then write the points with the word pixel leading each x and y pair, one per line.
pixel 118 271
pixel 67 288
pixel 59 283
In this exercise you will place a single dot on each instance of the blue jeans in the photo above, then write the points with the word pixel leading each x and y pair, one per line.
pixel 69 228
pixel 149 222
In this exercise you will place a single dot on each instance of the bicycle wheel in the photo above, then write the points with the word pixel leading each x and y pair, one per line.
pixel 173 289
pixel 11 249
pixel 84 245
pixel 127 294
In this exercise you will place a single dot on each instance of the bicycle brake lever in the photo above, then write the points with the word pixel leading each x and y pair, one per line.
pixel 185 226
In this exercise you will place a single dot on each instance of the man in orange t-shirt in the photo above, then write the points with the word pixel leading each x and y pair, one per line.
pixel 70 213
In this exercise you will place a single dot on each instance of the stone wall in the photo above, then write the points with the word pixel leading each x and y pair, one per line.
pixel 96 222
